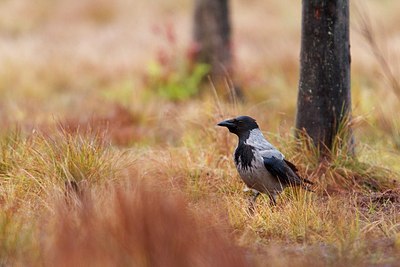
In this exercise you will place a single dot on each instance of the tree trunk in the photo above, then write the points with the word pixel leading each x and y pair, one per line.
pixel 324 97
pixel 212 34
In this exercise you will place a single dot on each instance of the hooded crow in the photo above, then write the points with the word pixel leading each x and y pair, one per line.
pixel 261 166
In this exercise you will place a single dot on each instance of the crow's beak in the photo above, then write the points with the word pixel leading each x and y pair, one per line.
pixel 227 123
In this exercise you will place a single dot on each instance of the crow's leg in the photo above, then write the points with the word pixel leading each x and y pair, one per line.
pixel 272 198
pixel 253 201
pixel 255 195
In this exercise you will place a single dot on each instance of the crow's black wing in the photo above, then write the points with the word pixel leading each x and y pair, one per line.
pixel 281 170
pixel 291 165
pixel 295 170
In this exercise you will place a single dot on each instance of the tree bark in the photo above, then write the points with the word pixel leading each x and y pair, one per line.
pixel 324 97
pixel 212 36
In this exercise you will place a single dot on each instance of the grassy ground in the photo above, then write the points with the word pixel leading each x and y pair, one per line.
pixel 91 92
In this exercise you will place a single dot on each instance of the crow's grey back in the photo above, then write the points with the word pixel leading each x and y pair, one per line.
pixel 264 148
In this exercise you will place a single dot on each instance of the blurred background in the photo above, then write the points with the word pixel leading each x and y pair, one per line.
pixel 124 70
pixel 126 62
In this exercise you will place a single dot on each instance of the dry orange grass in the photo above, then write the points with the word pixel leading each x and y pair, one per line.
pixel 157 185
pixel 134 225
pixel 120 193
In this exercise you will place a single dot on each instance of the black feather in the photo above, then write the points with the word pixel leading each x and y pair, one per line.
pixel 294 168
pixel 244 154
pixel 281 170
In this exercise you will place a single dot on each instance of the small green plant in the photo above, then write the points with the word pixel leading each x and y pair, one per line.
pixel 178 83
pixel 171 75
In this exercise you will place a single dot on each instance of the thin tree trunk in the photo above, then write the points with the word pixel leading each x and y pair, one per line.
pixel 212 36
pixel 324 97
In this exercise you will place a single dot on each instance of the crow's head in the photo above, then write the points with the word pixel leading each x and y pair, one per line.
pixel 240 126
